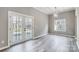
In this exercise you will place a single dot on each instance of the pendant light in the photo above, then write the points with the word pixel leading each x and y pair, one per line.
pixel 55 13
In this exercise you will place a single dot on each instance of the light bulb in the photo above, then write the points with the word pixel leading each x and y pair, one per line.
pixel 55 15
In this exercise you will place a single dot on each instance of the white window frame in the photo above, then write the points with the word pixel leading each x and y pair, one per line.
pixel 60 21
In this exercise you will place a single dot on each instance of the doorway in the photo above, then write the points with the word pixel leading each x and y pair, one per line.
pixel 20 27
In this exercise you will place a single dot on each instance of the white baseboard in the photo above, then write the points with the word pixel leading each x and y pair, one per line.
pixel 65 35
pixel 39 36
pixel 4 47
pixel 68 35
pixel 33 38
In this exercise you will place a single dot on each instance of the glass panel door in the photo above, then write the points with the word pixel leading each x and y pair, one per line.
pixel 28 28
pixel 20 28
pixel 13 27
pixel 16 26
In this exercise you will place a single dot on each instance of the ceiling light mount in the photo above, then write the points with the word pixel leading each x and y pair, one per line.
pixel 55 13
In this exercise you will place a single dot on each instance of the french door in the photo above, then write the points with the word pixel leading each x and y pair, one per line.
pixel 20 27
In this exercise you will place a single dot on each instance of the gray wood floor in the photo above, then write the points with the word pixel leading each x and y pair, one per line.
pixel 48 43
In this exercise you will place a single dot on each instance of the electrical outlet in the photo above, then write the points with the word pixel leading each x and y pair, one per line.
pixel 2 42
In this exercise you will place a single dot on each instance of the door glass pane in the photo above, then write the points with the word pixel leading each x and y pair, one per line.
pixel 19 28
pixel 28 27
pixel 14 28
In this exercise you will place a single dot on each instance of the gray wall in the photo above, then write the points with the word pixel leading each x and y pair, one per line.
pixel 40 22
pixel 70 23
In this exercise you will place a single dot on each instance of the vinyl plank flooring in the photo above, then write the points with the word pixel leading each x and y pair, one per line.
pixel 48 43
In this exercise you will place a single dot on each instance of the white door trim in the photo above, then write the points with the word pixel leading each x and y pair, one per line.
pixel 16 13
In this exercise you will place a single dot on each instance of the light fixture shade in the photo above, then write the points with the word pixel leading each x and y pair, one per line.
pixel 55 15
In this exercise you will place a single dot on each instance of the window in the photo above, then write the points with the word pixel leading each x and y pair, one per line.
pixel 60 25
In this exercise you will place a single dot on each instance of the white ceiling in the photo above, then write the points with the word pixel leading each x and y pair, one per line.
pixel 51 10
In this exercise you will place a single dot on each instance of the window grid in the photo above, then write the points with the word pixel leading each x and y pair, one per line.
pixel 60 25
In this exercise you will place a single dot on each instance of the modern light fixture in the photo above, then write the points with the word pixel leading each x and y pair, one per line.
pixel 55 13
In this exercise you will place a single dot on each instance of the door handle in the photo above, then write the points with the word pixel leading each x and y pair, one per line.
pixel 24 29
